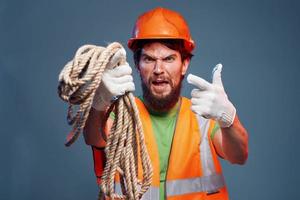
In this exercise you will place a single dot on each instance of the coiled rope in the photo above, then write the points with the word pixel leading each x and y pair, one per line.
pixel 78 82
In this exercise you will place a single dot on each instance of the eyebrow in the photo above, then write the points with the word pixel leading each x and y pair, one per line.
pixel 153 57
pixel 146 55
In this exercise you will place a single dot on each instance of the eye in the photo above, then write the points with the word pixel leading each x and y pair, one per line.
pixel 148 59
pixel 169 59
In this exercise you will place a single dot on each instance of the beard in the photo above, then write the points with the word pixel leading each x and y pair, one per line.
pixel 165 102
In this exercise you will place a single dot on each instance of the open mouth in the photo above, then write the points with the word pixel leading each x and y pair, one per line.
pixel 160 82
pixel 160 86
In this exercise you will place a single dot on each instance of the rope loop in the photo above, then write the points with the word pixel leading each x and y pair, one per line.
pixel 78 82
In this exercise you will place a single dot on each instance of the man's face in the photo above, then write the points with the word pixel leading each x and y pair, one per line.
pixel 161 70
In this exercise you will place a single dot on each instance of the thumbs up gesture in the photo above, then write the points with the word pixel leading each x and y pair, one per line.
pixel 210 100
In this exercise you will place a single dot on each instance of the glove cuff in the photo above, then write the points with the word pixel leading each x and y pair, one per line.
pixel 227 118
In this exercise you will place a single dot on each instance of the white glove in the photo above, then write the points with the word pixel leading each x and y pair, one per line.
pixel 116 80
pixel 210 100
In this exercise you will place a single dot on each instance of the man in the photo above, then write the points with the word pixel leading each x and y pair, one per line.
pixel 184 137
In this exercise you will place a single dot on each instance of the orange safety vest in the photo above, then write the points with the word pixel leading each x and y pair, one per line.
pixel 194 171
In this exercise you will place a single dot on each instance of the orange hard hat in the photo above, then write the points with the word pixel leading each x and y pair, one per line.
pixel 161 23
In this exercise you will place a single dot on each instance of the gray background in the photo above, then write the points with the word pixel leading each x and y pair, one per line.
pixel 257 42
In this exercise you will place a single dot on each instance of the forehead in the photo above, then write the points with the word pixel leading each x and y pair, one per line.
pixel 157 49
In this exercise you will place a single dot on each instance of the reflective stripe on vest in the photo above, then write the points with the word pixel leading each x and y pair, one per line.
pixel 208 167
pixel 152 192
pixel 213 180
pixel 201 184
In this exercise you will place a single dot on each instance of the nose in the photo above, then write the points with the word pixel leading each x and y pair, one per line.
pixel 158 68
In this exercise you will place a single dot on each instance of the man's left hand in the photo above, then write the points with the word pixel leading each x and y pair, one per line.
pixel 210 100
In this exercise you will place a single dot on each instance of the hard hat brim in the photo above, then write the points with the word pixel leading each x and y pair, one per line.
pixel 188 45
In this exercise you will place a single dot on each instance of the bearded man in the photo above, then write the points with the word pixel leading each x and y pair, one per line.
pixel 184 137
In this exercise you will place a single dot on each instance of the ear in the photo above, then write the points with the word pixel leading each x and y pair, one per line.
pixel 185 65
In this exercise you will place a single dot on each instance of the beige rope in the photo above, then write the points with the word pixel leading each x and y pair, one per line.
pixel 78 82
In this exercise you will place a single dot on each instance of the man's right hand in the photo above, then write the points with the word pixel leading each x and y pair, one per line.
pixel 116 80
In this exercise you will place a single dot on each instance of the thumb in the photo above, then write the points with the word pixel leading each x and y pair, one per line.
pixel 216 73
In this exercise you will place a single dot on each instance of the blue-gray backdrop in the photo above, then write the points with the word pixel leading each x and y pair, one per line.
pixel 257 42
